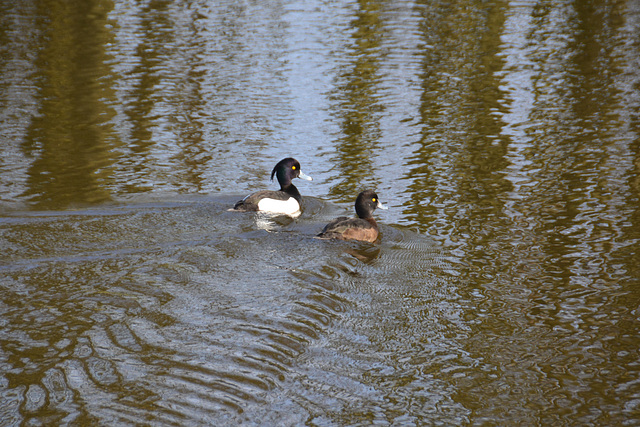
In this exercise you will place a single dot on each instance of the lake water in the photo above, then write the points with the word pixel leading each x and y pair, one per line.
pixel 503 135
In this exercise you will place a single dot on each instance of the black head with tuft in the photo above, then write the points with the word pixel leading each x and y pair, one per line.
pixel 286 170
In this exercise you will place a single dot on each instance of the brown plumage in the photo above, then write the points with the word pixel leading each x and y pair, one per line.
pixel 363 227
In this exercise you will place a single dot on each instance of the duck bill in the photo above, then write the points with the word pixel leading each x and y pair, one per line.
pixel 381 206
pixel 305 177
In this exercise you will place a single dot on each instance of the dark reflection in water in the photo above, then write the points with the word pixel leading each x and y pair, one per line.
pixel 69 136
pixel 504 136
pixel 358 106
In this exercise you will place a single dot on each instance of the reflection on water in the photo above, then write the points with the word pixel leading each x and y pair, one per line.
pixel 358 105
pixel 504 136
pixel 69 136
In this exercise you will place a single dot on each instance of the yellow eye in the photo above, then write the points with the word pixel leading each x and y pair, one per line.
pixel 293 167
pixel 373 200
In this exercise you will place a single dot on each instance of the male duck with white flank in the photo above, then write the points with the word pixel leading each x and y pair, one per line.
pixel 286 201
pixel 363 228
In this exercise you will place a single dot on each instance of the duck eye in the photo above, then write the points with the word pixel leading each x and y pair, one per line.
pixel 373 200
pixel 293 167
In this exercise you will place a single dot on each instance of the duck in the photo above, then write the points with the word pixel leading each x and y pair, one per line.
pixel 286 201
pixel 363 227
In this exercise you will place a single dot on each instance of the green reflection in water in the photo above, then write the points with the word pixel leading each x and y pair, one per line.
pixel 71 136
pixel 359 106
pixel 536 260
pixel 457 169
pixel 156 43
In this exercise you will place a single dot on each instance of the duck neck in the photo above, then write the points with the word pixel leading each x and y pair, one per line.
pixel 363 213
pixel 371 221
pixel 291 190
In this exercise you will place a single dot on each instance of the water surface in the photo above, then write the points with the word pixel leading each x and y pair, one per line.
pixel 503 136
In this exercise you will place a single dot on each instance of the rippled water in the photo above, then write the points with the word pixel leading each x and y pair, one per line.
pixel 503 135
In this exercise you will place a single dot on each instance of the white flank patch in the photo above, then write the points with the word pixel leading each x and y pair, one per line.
pixel 287 207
